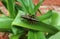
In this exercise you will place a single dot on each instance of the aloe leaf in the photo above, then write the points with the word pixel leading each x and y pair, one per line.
pixel 31 7
pixel 18 7
pixel 5 23
pixel 28 6
pixel 23 4
pixel 56 36
pixel 17 36
pixel 40 26
pixel 45 16
pixel 55 20
pixel 11 7
pixel 36 35
pixel 38 5
pixel 17 30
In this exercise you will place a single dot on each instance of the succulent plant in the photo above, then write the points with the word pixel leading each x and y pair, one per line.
pixel 23 23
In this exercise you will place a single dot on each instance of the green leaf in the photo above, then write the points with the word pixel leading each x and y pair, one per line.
pixel 38 26
pixel 37 6
pixel 5 23
pixel 31 7
pixel 17 36
pixel 28 6
pixel 55 20
pixel 24 5
pixel 11 7
pixel 56 36
pixel 45 16
pixel 36 35
pixel 17 30
pixel 18 7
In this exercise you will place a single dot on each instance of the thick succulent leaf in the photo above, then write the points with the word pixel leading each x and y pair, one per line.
pixel 38 26
pixel 5 23
pixel 17 36
pixel 28 6
pixel 45 16
pixel 11 7
pixel 31 7
pixel 47 21
pixel 23 4
pixel 37 6
pixel 18 7
pixel 36 35
pixel 56 36
pixel 17 30
pixel 55 20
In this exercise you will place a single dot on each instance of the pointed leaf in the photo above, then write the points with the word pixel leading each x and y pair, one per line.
pixel 17 30
pixel 45 16
pixel 17 36
pixel 56 36
pixel 36 35
pixel 24 5
pixel 5 23
pixel 11 7
pixel 55 20
pixel 31 7
pixel 28 6
pixel 37 6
